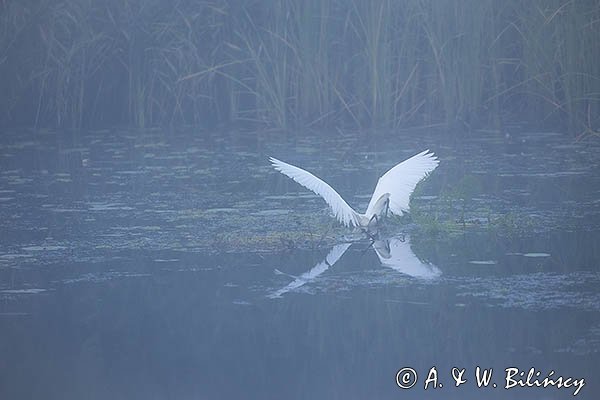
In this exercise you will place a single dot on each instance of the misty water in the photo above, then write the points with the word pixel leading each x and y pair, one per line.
pixel 153 265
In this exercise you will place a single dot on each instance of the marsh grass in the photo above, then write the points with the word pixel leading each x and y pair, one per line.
pixel 293 64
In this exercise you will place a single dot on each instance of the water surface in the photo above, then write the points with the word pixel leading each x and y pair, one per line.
pixel 153 265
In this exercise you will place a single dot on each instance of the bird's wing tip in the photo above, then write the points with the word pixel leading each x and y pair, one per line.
pixel 425 153
pixel 430 154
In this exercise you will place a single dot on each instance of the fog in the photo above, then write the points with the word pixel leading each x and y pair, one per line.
pixel 150 249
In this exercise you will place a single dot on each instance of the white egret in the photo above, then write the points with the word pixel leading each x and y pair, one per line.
pixel 392 191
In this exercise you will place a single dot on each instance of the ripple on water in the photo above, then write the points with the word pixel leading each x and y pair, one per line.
pixel 588 344
pixel 101 277
pixel 43 248
pixel 23 291
pixel 483 262
pixel 101 206
pixel 537 291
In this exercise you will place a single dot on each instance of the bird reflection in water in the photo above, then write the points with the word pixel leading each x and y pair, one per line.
pixel 394 253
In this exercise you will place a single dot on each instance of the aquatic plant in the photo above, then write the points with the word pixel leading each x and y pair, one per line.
pixel 293 64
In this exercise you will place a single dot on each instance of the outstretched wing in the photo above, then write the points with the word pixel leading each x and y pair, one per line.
pixel 401 180
pixel 342 211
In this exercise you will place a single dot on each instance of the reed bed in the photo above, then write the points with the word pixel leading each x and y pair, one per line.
pixel 292 64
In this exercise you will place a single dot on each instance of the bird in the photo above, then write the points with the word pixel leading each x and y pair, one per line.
pixel 392 192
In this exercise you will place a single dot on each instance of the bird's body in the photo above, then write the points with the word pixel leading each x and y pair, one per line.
pixel 392 191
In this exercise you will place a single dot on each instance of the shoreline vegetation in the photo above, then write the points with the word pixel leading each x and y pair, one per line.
pixel 284 64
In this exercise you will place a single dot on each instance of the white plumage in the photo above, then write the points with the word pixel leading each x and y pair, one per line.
pixel 393 189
